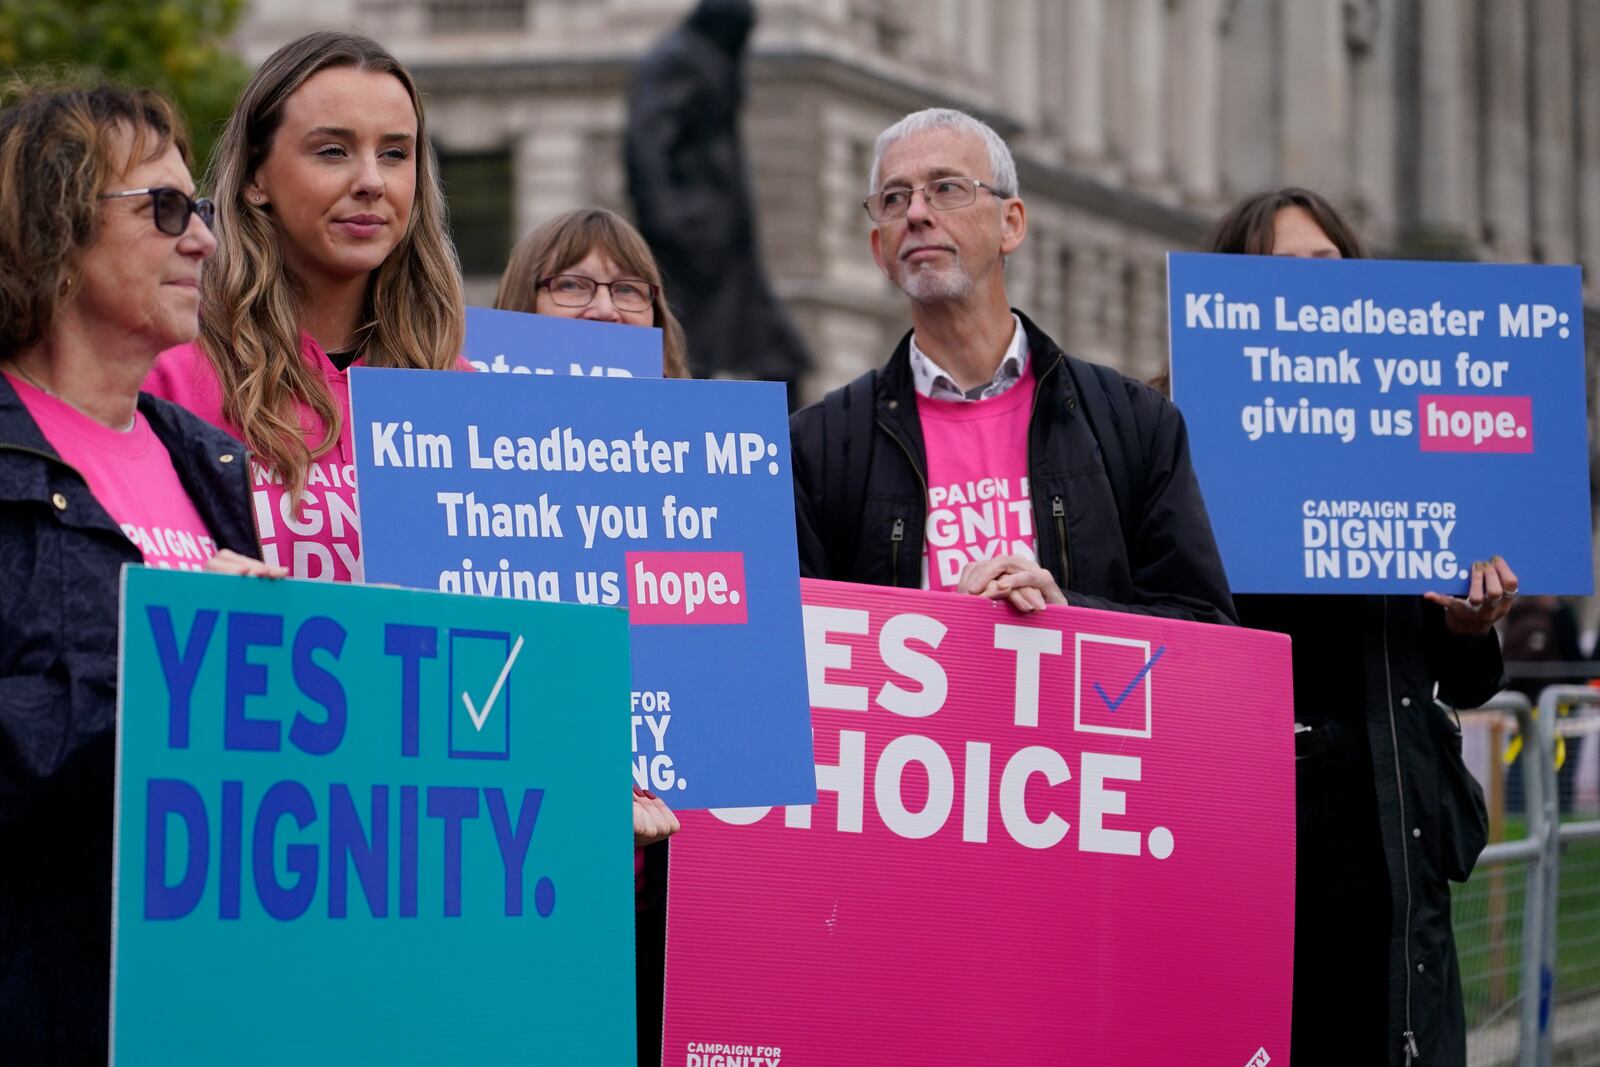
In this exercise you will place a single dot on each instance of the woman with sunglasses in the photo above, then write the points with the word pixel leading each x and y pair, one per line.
pixel 591 264
pixel 333 252
pixel 100 253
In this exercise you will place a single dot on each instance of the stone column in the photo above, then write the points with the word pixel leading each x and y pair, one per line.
pixel 1017 54
pixel 947 42
pixel 1076 264
pixel 1250 135
pixel 1143 78
pixel 1588 101
pixel 1147 317
pixel 1111 311
pixel 1374 173
pixel 1442 205
pixel 1506 174
pixel 1198 100
pixel 1554 170
pixel 976 45
pixel 1083 102
pixel 1314 76
pixel 550 175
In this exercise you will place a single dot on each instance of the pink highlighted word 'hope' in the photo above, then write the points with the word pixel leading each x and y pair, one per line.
pixel 686 587
pixel 1475 423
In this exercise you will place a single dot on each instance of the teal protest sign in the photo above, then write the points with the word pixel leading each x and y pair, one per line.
pixel 365 825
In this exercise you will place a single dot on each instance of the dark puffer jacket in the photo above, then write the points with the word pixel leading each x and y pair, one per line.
pixel 61 557
pixel 1118 516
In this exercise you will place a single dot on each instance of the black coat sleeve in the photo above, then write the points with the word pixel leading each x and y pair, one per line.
pixel 1176 569
pixel 1469 670
pixel 805 450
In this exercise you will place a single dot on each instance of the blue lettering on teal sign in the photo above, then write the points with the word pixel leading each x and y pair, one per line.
pixel 343 815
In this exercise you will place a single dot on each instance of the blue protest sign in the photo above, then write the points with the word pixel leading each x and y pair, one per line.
pixel 1366 426
pixel 673 497
pixel 362 825
pixel 513 342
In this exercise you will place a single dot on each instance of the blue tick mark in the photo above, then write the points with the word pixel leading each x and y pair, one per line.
pixel 1117 703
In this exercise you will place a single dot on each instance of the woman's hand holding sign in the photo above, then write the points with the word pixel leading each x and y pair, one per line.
pixel 653 821
pixel 1018 579
pixel 228 561
pixel 1489 595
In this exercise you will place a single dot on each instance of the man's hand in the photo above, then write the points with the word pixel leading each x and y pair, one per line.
pixel 1489 596
pixel 652 820
pixel 230 562
pixel 1018 579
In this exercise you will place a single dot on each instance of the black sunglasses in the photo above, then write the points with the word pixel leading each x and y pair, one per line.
pixel 172 207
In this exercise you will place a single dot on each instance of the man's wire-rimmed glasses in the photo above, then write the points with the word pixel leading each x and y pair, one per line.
pixel 941 194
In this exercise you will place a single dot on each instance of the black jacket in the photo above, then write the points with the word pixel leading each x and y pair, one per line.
pixel 1431 815
pixel 61 557
pixel 1118 517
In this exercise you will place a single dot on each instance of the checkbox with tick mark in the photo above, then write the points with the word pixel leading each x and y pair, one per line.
pixel 480 693
pixel 1114 682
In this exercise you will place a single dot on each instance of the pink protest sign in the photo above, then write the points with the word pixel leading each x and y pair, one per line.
pixel 1056 839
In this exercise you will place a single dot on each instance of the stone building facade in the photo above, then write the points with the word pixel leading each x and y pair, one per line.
pixel 1459 128
pixel 1465 128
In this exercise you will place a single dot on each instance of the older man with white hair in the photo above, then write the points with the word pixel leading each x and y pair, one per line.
pixel 982 458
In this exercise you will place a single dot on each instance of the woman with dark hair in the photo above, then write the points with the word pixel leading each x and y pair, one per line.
pixel 1287 222
pixel 1386 813
pixel 101 243
pixel 591 264
pixel 333 252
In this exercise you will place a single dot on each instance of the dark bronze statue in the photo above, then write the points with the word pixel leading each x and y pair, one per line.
pixel 692 196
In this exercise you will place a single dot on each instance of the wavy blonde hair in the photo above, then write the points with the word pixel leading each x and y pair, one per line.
pixel 562 242
pixel 250 303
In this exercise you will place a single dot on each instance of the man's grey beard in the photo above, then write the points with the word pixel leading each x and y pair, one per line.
pixel 925 286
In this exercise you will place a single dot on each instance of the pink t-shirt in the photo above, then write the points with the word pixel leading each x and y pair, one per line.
pixel 321 539
pixel 131 475
pixel 978 502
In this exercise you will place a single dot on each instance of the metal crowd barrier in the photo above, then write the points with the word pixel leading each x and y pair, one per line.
pixel 1538 854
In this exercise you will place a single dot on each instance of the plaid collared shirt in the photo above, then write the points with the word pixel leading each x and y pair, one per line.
pixel 933 382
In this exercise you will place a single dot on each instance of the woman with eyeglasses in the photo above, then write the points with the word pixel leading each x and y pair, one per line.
pixel 592 264
pixel 333 252
pixel 100 251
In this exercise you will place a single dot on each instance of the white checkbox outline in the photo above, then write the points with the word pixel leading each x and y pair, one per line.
pixel 1148 681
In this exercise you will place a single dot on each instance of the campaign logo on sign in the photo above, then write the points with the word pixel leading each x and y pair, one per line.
pixel 1113 693
pixel 480 691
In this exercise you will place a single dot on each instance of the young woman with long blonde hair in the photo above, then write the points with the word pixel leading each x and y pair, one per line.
pixel 333 251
